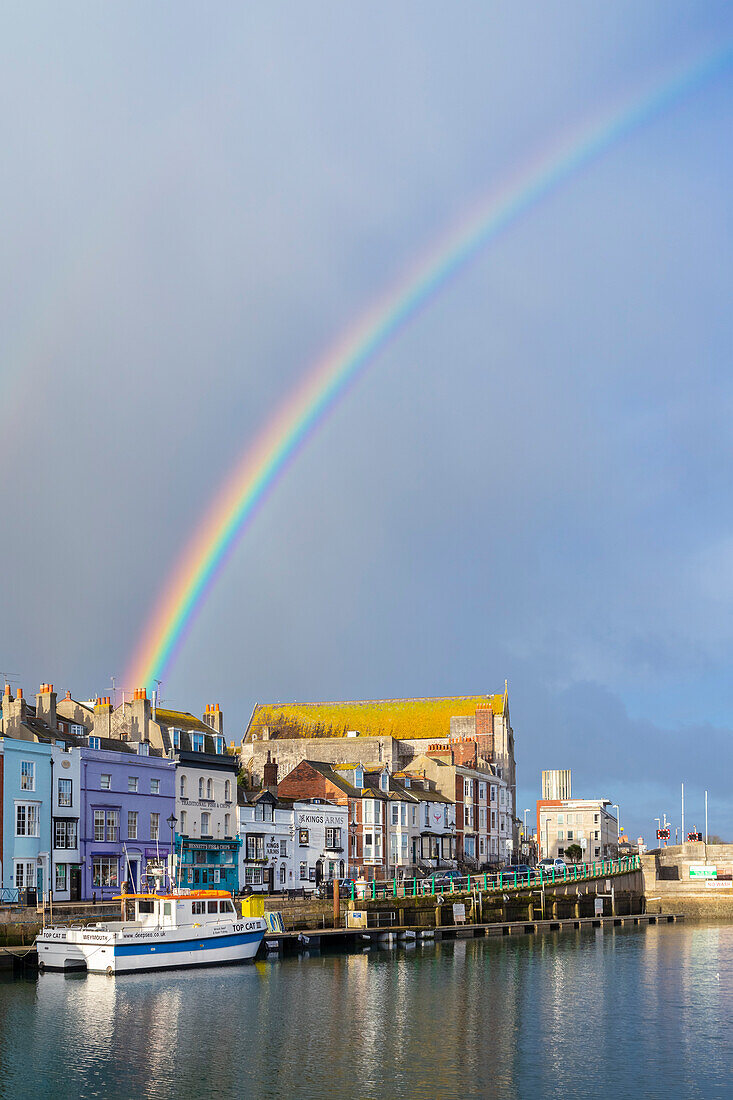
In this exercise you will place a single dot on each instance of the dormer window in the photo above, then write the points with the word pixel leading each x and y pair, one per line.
pixel 359 777
pixel 176 739
pixel 143 749
pixel 95 742
pixel 198 742
pixel 406 781
pixel 220 745
pixel 384 781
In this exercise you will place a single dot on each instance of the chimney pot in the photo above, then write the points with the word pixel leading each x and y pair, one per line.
pixel 20 693
pixel 7 689
pixel 68 694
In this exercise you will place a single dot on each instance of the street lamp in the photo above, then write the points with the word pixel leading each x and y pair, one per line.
pixel 172 822
pixel 616 807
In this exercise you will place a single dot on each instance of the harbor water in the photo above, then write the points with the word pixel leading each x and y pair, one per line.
pixel 643 1012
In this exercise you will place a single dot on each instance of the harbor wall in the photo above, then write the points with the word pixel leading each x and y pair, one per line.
pixel 673 881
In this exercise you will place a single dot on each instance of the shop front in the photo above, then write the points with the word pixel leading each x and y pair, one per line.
pixel 203 864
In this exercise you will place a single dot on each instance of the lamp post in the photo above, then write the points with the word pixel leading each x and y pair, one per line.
pixel 525 846
pixel 172 822
pixel 617 808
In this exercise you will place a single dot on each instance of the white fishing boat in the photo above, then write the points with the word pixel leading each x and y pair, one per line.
pixel 167 931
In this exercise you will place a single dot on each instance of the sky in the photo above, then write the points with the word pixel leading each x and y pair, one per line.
pixel 532 482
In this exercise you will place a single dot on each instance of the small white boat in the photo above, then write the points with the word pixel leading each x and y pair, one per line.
pixel 168 931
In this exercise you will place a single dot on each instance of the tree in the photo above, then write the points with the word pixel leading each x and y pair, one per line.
pixel 713 838
pixel 573 852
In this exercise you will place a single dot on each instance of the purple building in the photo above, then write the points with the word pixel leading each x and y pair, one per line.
pixel 127 797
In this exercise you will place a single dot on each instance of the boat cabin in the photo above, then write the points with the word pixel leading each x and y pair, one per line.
pixel 174 910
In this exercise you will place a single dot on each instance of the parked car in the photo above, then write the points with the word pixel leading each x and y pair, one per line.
pixel 521 869
pixel 441 879
pixel 325 890
pixel 548 864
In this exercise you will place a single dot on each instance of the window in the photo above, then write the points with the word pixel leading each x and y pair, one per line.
pixel 65 833
pixel 358 778
pixel 560 819
pixel 595 834
pixel 112 825
pixel 209 789
pixel 560 834
pixel 77 730
pixel 27 819
pixel 253 876
pixel 198 907
pixel 501 796
pixel 595 818
pixel 183 822
pixel 303 838
pixel 64 792
pixel 25 874
pixel 372 812
pixel 105 782
pixel 482 792
pixel 493 819
pixel 99 825
pixel 220 745
pixel 395 814
pixel 282 874
pixel 384 781
pixel 403 814
pixel 561 851
pixel 104 871
pixel 155 826
pixel 304 872
pixel 95 742
pixel 132 783
pixel 176 739
pixel 132 824
pixel 201 788
pixel 333 838
pixel 254 846
pixel 482 818
pixel 597 851
pixel 155 786
pixel 570 819
pixel 466 788
pixel 183 787
pixel 205 824
pixel 283 848
pixel 60 877
pixel 27 775
pixel 493 794
pixel 212 907
pixel 198 742
pixel 143 749
pixel 468 816
pixel 570 834
pixel 228 791
pixel 426 808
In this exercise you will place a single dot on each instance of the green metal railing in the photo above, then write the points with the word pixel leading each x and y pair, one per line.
pixel 485 882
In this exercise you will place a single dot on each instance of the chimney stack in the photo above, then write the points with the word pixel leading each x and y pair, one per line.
pixel 14 710
pixel 103 716
pixel 46 705
pixel 269 775
pixel 214 717
pixel 139 716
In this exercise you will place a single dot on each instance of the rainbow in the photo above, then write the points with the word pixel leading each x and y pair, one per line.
pixel 267 459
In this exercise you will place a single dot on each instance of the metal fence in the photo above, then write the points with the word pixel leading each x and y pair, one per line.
pixel 439 883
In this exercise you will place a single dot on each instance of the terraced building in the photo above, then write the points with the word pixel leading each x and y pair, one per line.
pixel 376 731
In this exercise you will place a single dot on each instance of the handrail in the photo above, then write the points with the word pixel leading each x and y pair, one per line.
pixel 375 891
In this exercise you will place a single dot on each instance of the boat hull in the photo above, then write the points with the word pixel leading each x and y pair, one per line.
pixel 107 953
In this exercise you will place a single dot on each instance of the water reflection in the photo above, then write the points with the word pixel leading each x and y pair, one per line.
pixel 622 1013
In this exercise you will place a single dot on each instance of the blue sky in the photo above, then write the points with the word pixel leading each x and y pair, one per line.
pixel 532 482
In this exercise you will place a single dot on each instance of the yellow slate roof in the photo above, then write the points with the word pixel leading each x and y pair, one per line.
pixel 181 719
pixel 400 718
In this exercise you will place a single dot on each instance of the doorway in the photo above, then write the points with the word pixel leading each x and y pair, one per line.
pixel 74 883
